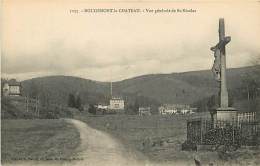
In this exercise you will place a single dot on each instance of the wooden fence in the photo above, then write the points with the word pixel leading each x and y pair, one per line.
pixel 40 110
pixel 246 117
pixel 32 106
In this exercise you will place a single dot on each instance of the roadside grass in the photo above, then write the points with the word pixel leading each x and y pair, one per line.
pixel 39 139
pixel 15 108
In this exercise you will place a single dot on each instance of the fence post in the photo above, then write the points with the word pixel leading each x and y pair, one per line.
pixel 38 106
pixel 26 102
pixel 36 112
pixel 233 132
pixel 201 123
pixel 187 130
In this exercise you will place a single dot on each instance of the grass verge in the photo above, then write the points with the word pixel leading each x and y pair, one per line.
pixel 39 139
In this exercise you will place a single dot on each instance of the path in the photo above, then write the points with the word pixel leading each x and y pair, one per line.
pixel 100 149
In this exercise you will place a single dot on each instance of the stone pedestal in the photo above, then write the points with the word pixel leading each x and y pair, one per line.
pixel 226 114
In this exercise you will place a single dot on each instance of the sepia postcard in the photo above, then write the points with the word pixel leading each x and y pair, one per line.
pixel 130 83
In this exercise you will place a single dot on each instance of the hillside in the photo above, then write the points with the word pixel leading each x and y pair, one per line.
pixel 186 87
pixel 57 88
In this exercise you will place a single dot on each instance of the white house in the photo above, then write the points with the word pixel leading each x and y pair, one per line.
pixel 170 109
pixel 165 110
pixel 102 107
pixel 12 88
pixel 116 103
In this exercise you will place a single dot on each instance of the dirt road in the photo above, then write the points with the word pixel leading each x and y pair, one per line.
pixel 97 149
pixel 100 149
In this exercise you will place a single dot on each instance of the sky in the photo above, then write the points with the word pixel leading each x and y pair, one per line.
pixel 45 38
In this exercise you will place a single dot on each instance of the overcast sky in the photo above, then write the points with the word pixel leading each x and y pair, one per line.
pixel 44 38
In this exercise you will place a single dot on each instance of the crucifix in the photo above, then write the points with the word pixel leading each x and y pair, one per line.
pixel 219 67
pixel 224 112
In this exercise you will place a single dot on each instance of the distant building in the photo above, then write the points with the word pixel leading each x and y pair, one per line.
pixel 102 106
pixel 166 110
pixel 116 103
pixel 12 88
pixel 170 109
pixel 144 111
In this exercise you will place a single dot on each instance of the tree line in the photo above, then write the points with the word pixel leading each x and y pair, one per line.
pixel 74 101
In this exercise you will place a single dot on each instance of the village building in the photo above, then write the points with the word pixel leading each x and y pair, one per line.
pixel 102 107
pixel 144 111
pixel 171 109
pixel 166 110
pixel 116 103
pixel 12 88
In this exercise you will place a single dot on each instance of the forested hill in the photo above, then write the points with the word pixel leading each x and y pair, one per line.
pixel 187 87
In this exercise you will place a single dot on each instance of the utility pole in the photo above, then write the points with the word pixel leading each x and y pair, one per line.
pixel 111 84
pixel 27 104
pixel 111 89
pixel 37 110
pixel 248 98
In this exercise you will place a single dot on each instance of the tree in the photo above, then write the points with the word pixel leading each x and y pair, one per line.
pixel 34 90
pixel 254 88
pixel 92 109
pixel 250 88
pixel 136 106
pixel 212 102
pixel 78 102
pixel 45 99
pixel 230 99
pixel 3 81
pixel 71 100
pixel 201 104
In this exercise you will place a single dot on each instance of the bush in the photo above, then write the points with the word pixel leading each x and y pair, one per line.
pixel 187 145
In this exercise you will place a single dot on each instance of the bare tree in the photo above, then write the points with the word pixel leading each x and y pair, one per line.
pixel 251 85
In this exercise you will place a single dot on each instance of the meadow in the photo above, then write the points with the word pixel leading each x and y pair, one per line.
pixel 38 139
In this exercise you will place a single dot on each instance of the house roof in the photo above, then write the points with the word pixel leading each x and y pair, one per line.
pixel 144 108
pixel 176 106
pixel 117 98
pixel 13 82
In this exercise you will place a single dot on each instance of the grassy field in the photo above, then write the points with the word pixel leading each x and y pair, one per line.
pixel 160 138
pixel 38 139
